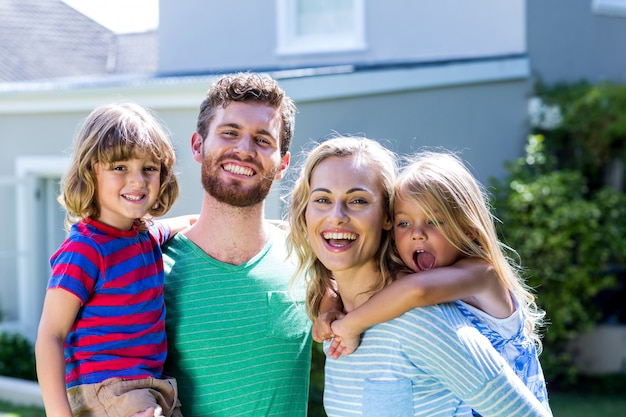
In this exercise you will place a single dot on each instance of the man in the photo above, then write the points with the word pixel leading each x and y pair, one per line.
pixel 239 344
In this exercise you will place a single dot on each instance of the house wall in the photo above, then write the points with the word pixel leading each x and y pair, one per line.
pixel 484 122
pixel 475 108
pixel 221 36
pixel 568 42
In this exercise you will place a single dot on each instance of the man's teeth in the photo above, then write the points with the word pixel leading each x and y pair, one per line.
pixel 239 170
pixel 340 236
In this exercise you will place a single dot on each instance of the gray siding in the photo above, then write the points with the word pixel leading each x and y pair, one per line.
pixel 213 36
pixel 567 42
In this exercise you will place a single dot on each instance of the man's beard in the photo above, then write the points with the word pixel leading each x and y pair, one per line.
pixel 232 194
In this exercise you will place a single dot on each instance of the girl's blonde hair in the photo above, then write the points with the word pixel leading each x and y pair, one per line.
pixel 442 186
pixel 382 162
pixel 116 132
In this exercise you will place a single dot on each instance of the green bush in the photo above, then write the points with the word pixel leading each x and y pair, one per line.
pixel 17 358
pixel 316 391
pixel 590 131
pixel 566 236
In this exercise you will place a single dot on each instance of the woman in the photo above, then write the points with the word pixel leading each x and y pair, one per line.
pixel 429 361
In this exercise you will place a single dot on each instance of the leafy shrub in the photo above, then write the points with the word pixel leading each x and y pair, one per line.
pixel 17 358
pixel 316 391
pixel 590 129
pixel 566 237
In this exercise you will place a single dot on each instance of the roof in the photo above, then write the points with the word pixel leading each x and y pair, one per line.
pixel 49 39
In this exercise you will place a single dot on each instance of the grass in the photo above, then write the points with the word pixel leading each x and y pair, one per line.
pixel 579 405
pixel 591 396
pixel 10 410
pixel 601 396
pixel 563 405
pixel 604 397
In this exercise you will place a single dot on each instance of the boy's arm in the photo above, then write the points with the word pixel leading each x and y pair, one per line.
pixel 59 312
pixel 281 224
pixel 440 285
pixel 178 223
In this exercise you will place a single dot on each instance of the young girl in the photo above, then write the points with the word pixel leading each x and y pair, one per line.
pixel 430 360
pixel 101 341
pixel 442 219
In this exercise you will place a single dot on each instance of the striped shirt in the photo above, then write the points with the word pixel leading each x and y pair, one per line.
pixel 238 343
pixel 509 338
pixel 117 275
pixel 428 362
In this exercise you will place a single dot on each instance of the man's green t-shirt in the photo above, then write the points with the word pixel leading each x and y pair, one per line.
pixel 239 339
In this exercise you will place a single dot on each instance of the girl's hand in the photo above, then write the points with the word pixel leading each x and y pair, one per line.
pixel 321 326
pixel 346 340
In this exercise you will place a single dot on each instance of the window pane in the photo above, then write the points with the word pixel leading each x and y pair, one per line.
pixel 324 17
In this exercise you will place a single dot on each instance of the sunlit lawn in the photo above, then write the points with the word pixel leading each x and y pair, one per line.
pixel 566 405
pixel 563 405
pixel 579 405
pixel 9 410
pixel 573 404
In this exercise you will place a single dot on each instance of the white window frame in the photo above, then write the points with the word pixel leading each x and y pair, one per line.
pixel 8 321
pixel 291 44
pixel 609 7
pixel 28 169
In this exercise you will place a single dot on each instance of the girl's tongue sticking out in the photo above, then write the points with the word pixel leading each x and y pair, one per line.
pixel 424 260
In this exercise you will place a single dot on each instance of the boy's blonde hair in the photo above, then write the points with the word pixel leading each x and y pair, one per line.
pixel 442 186
pixel 382 162
pixel 116 132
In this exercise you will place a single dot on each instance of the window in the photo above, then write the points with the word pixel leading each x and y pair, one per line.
pixel 32 223
pixel 609 7
pixel 318 26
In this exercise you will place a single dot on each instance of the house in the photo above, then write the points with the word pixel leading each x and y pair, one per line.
pixel 569 41
pixel 49 39
pixel 48 42
pixel 410 74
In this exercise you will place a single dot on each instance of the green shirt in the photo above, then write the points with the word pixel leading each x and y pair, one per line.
pixel 238 343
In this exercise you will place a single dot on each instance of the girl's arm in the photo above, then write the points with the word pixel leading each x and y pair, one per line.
pixel 463 279
pixel 59 312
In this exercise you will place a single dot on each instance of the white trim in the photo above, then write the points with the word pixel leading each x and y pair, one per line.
pixel 302 85
pixel 353 84
pixel 28 168
pixel 21 392
pixel 609 7
pixel 62 97
pixel 42 166
pixel 288 43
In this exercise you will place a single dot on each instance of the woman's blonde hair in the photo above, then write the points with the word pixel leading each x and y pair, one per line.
pixel 442 186
pixel 116 132
pixel 382 162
